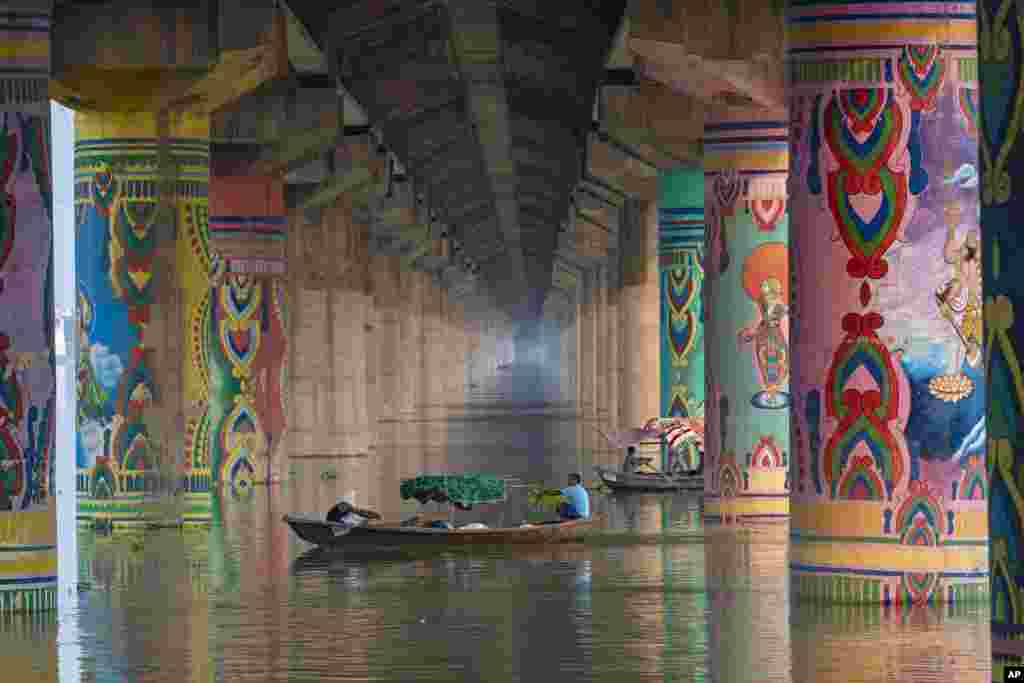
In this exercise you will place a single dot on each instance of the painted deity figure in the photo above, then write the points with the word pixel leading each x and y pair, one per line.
pixel 91 395
pixel 959 298
pixel 767 334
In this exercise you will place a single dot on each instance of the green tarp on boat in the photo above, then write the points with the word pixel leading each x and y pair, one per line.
pixel 468 489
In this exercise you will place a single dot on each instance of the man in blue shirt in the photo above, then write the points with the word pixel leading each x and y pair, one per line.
pixel 577 505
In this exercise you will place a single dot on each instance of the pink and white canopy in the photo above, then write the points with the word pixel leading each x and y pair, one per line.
pixel 675 430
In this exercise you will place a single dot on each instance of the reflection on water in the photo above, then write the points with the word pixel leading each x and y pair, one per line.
pixel 666 600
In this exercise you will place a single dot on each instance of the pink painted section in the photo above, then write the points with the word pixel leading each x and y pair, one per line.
pixel 887 8
pixel 270 359
pixel 235 195
pixel 252 196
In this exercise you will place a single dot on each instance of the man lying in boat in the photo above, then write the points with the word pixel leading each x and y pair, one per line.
pixel 577 505
pixel 345 513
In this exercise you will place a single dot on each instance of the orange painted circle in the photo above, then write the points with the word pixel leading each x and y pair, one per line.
pixel 768 260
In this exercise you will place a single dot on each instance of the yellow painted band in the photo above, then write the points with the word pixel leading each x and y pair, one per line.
pixel 749 160
pixel 111 125
pixel 25 47
pixel 882 32
pixel 31 564
pixel 744 506
pixel 767 481
pixel 891 557
pixel 38 527
pixel 863 518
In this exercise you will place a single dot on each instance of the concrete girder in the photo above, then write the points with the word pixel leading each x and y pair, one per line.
pixel 745 30
pixel 621 171
pixel 278 109
pixel 672 63
pixel 398 56
pixel 203 70
pixel 356 183
pixel 664 126
pixel 477 48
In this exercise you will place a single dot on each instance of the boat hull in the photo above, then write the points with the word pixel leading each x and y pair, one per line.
pixel 331 535
pixel 629 481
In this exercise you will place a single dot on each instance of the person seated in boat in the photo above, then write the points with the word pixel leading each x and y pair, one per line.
pixel 629 463
pixel 644 466
pixel 577 504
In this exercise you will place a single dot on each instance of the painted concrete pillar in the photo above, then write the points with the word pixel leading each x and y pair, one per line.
pixel 139 385
pixel 240 328
pixel 1001 68
pixel 888 425
pixel 746 290
pixel 28 524
pixel 681 266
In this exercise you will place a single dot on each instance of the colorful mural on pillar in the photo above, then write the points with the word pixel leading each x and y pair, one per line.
pixel 997 115
pixel 240 334
pixel 125 423
pixel 747 291
pixel 28 530
pixel 888 426
pixel 681 272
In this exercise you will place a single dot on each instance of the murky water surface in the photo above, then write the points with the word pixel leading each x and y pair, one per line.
pixel 666 599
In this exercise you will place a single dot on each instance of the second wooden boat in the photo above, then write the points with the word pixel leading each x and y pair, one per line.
pixel 635 481
pixel 331 535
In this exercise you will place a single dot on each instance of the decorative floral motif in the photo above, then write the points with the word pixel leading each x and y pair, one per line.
pixel 864 168
pixel 864 417
pixel 922 70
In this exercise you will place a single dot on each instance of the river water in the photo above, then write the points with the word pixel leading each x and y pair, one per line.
pixel 663 599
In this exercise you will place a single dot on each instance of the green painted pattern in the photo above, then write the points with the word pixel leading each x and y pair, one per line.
pixel 865 69
pixel 26 548
pixel 967 69
pixel 35 599
pixel 838 589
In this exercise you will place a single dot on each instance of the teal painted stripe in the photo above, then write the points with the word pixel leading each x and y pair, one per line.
pixel 142 142
pixel 26 548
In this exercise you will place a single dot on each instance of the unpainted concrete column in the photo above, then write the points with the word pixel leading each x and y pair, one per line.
pixel 599 312
pixel 28 521
pixel 388 341
pixel 409 353
pixel 639 390
pixel 747 315
pixel 588 371
pixel 613 356
pixel 889 367
pixel 567 356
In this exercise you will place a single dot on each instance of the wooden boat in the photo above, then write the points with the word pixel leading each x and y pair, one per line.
pixel 636 481
pixel 377 534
